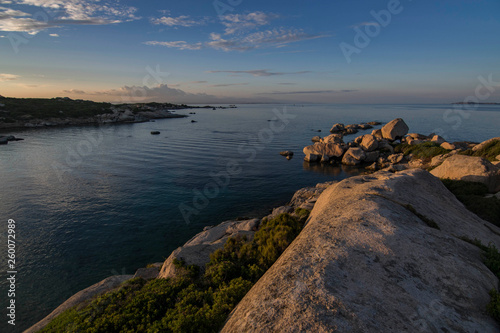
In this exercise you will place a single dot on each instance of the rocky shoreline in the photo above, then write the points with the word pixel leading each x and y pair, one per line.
pixel 401 191
pixel 196 251
pixel 393 148
pixel 118 115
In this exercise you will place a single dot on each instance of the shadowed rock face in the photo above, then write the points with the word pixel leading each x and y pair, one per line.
pixel 366 262
pixel 470 168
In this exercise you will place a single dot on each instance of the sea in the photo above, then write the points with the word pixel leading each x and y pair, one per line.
pixel 94 201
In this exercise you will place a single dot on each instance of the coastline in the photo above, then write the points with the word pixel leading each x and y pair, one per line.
pixel 16 113
pixel 209 239
pixel 200 240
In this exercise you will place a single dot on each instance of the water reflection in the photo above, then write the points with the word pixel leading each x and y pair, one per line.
pixel 334 170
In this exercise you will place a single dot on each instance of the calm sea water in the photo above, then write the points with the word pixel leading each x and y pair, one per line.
pixel 91 202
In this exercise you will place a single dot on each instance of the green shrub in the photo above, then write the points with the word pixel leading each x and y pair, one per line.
pixel 422 150
pixel 462 187
pixel 190 303
pixel 491 258
pixel 471 194
pixel 302 212
pixel 425 150
pixel 489 151
pixel 493 306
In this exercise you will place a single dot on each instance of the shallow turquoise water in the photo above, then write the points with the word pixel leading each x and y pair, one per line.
pixel 91 202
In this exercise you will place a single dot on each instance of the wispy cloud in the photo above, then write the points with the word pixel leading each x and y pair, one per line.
pixel 238 22
pixel 260 72
pixel 307 92
pixel 74 92
pixel 364 24
pixel 8 77
pixel 181 21
pixel 275 38
pixel 67 12
pixel 181 45
pixel 53 35
pixel 229 85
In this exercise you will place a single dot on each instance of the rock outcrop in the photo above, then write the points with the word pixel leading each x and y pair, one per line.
pixel 367 261
pixel 82 296
pixel 470 168
pixel 197 250
pixel 485 143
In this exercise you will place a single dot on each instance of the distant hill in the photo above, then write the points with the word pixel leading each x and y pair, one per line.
pixel 60 111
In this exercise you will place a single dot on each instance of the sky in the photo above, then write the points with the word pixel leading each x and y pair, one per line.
pixel 242 51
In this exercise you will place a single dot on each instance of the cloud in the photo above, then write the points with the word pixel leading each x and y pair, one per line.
pixel 74 92
pixel 270 38
pixel 53 35
pixel 238 22
pixel 229 85
pixel 308 92
pixel 287 84
pixel 181 45
pixel 56 13
pixel 260 72
pixel 8 77
pixel 159 93
pixel 364 24
pixel 182 21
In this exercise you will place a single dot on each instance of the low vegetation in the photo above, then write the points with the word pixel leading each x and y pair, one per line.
pixel 472 195
pixel 491 258
pixel 490 151
pixel 426 150
pixel 21 109
pixel 16 109
pixel 430 222
pixel 193 302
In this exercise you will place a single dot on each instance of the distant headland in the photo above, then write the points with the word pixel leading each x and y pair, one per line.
pixel 474 103
pixel 64 111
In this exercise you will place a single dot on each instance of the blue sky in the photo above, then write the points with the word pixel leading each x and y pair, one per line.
pixel 235 51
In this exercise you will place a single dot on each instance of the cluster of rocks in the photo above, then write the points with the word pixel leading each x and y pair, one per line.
pixel 6 139
pixel 368 148
pixel 126 115
pixel 353 128
pixel 375 151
